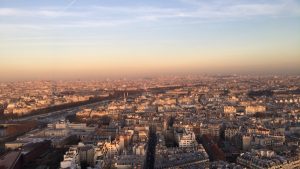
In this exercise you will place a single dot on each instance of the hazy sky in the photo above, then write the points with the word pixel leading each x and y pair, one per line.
pixel 55 39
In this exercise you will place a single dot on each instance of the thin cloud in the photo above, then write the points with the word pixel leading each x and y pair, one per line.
pixel 201 10
pixel 193 11
pixel 15 12
pixel 73 24
pixel 238 9
pixel 69 5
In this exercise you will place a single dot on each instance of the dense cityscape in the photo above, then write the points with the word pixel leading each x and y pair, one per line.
pixel 194 121
pixel 149 84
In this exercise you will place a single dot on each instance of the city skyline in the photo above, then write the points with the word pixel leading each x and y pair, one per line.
pixel 74 39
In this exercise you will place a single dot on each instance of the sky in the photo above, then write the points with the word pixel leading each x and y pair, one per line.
pixel 90 39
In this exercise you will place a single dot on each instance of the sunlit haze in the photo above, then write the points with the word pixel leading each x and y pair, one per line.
pixel 71 39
